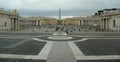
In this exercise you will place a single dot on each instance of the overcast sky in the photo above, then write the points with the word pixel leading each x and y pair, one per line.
pixel 50 7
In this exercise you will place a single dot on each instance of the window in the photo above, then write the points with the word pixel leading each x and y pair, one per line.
pixel 114 23
pixel 5 23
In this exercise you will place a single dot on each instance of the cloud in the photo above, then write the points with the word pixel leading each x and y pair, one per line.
pixel 50 7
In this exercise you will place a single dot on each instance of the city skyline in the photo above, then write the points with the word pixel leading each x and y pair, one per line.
pixel 49 8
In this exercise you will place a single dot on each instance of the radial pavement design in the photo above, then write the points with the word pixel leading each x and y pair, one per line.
pixel 47 38
pixel 78 49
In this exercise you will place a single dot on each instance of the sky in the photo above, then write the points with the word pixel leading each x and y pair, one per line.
pixel 50 8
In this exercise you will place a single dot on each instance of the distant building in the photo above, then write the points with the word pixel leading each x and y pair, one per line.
pixel 92 21
pixel 83 21
pixel 9 20
pixel 27 22
pixel 106 19
pixel 36 21
pixel 75 21
pixel 110 18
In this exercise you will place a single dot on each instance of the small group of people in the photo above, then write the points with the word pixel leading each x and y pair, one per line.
pixel 62 28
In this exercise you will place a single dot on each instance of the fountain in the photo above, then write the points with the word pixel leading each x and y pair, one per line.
pixel 60 36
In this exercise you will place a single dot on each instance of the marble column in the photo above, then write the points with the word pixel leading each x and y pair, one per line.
pixel 14 24
pixel 102 23
pixel 80 23
pixel 11 23
pixel 107 24
pixel 17 23
pixel 37 22
pixel 40 22
pixel 30 24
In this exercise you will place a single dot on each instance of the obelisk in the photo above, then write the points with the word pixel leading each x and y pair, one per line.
pixel 59 15
pixel 59 21
pixel 60 35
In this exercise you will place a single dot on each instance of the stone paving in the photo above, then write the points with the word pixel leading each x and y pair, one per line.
pixel 66 51
pixel 61 52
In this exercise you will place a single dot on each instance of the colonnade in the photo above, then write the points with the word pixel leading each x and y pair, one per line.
pixel 105 23
pixel 14 24
pixel 38 23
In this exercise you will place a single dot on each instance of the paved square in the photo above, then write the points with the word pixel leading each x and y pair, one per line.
pixel 20 46
pixel 88 47
pixel 20 60
pixel 100 46
pixel 98 61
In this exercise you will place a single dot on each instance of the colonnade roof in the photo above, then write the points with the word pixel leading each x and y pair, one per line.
pixel 9 12
pixel 37 18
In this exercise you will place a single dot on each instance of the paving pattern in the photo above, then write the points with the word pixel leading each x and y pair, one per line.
pixel 100 47
pixel 20 60
pixel 61 52
pixel 89 47
pixel 98 61
pixel 74 38
pixel 20 46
